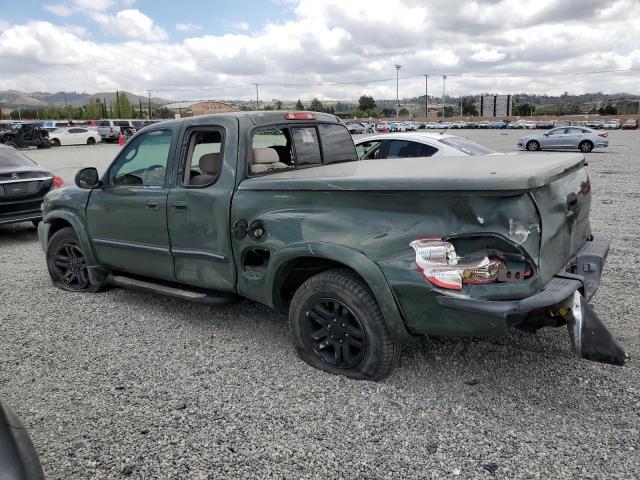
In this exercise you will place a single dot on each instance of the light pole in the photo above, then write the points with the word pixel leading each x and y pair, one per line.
pixel 257 100
pixel 426 96
pixel 398 67
pixel 444 80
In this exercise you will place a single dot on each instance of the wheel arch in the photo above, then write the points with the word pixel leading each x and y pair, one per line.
pixel 58 219
pixel 294 264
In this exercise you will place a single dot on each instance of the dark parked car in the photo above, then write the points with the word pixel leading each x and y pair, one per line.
pixel 18 457
pixel 23 184
pixel 25 135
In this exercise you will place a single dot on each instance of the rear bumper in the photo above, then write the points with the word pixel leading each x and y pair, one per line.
pixel 14 211
pixel 581 274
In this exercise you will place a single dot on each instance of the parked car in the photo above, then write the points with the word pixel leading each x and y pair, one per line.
pixel 25 135
pixel 361 254
pixel 356 128
pixel 416 144
pixel 563 138
pixel 23 184
pixel 595 124
pixel 612 124
pixel 110 130
pixel 499 124
pixel 74 136
pixel 630 124
pixel 484 124
pixel 544 124
pixel 18 457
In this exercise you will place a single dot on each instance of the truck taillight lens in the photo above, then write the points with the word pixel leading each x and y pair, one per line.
pixel 57 182
pixel 438 262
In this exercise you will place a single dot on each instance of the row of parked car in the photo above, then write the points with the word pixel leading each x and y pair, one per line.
pixel 52 133
pixel 410 126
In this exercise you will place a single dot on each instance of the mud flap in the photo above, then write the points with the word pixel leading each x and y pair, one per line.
pixel 591 339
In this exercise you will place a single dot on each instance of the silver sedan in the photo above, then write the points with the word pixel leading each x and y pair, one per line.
pixel 563 138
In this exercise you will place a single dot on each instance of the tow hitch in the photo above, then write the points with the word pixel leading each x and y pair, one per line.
pixel 591 339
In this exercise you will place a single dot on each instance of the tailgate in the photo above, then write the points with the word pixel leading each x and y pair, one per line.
pixel 564 209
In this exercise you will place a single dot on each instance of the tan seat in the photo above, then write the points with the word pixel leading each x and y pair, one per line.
pixel 265 160
pixel 209 164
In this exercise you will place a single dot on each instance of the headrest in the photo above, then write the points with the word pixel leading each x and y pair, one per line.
pixel 265 155
pixel 210 163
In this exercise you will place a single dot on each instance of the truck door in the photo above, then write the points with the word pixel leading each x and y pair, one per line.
pixel 199 208
pixel 127 216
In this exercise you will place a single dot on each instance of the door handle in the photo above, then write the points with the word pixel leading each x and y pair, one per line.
pixel 179 205
pixel 151 205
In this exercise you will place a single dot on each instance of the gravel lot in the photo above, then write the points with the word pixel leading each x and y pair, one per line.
pixel 127 384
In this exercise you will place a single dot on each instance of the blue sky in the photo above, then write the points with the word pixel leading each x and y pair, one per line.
pixel 213 17
pixel 329 49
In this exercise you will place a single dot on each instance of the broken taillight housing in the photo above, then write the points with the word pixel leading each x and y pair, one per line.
pixel 438 262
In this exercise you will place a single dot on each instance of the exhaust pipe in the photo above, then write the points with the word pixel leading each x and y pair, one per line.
pixel 591 339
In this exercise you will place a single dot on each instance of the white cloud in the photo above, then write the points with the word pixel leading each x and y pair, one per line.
pixel 488 55
pixel 130 24
pixel 187 27
pixel 59 9
pixel 4 25
pixel 340 41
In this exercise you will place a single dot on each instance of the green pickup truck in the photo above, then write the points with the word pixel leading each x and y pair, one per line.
pixel 276 207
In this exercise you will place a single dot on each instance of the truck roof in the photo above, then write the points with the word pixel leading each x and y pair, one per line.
pixel 509 172
pixel 255 118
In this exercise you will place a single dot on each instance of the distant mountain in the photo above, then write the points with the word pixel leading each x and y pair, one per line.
pixel 15 98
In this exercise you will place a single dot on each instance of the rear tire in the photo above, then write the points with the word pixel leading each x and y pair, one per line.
pixel 337 326
pixel 585 146
pixel 66 262
pixel 91 141
pixel 55 142
pixel 533 146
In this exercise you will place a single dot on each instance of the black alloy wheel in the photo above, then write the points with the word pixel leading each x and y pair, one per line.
pixel 71 266
pixel 67 263
pixel 335 334
pixel 91 141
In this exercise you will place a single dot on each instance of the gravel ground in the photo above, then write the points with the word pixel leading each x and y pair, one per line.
pixel 124 384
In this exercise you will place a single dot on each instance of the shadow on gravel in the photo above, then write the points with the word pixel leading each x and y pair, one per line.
pixel 19 232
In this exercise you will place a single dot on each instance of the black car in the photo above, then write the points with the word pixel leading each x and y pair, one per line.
pixel 23 184
pixel 18 457
pixel 25 135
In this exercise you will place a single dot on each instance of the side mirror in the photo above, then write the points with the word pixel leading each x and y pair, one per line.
pixel 546 134
pixel 87 178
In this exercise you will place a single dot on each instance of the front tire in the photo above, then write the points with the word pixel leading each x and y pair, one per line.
pixel 337 326
pixel 66 262
pixel 55 142
pixel 533 146
pixel 585 146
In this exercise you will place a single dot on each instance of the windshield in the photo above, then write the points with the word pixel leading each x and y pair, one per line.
pixel 10 158
pixel 466 146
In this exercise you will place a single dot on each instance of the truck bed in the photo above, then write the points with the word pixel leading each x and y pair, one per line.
pixel 508 172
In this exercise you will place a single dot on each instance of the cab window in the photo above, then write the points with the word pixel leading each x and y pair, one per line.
pixel 271 151
pixel 307 147
pixel 204 158
pixel 143 162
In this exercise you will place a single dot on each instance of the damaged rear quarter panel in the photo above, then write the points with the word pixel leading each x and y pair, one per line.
pixel 381 225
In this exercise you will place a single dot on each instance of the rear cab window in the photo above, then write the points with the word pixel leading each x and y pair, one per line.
pixel 299 146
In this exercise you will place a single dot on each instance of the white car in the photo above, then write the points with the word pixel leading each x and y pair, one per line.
pixel 74 136
pixel 416 144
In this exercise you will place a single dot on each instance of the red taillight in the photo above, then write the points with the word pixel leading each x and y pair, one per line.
pixel 57 182
pixel 299 116
pixel 603 134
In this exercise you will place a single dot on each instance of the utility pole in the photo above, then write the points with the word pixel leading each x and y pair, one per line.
pixel 426 96
pixel 460 106
pixel 117 104
pixel 66 106
pixel 149 105
pixel 444 80
pixel 257 99
pixel 398 67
